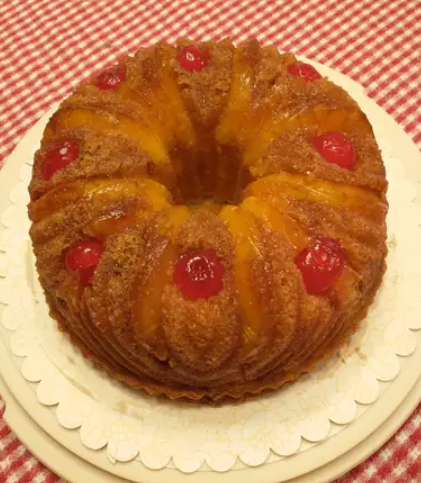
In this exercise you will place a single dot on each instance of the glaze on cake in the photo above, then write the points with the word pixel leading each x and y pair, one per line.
pixel 209 221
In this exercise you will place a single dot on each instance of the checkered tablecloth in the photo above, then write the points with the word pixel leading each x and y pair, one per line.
pixel 48 46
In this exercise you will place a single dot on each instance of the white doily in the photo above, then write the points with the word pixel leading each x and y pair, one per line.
pixel 157 432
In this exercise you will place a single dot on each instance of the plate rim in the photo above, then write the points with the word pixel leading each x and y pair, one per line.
pixel 66 464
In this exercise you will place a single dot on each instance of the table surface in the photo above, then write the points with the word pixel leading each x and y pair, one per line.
pixel 48 46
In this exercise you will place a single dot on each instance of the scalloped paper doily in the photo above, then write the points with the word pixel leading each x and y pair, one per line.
pixel 189 437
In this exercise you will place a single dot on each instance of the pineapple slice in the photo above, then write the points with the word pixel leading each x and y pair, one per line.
pixel 115 122
pixel 160 99
pixel 154 194
pixel 151 112
pixel 114 221
pixel 162 105
pixel 276 187
pixel 147 295
pixel 173 218
pixel 256 322
pixel 278 219
pixel 229 132
pixel 169 99
pixel 324 119
pixel 239 100
pixel 147 304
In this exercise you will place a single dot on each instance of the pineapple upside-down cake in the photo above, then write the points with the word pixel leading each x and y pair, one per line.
pixel 208 220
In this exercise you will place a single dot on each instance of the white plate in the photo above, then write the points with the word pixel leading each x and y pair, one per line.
pixel 75 470
pixel 339 453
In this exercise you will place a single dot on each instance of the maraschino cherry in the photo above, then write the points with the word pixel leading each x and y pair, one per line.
pixel 109 79
pixel 320 264
pixel 198 274
pixel 336 148
pixel 305 71
pixel 191 58
pixel 82 259
pixel 60 154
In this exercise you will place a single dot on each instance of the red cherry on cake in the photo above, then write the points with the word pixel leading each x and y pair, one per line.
pixel 198 274
pixel 82 259
pixel 110 78
pixel 191 58
pixel 320 264
pixel 305 71
pixel 336 148
pixel 58 156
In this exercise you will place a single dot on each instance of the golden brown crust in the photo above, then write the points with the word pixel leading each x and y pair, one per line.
pixel 150 153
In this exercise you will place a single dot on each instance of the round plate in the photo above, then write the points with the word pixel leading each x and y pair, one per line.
pixel 330 453
pixel 75 470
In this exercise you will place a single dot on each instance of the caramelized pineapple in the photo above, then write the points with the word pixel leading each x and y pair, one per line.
pixel 278 187
pixel 170 119
pixel 324 119
pixel 147 303
pixel 102 121
pixel 154 194
pixel 152 112
pixel 168 98
pixel 254 317
pixel 147 294
pixel 278 219
pixel 116 220
pixel 229 172
pixel 239 99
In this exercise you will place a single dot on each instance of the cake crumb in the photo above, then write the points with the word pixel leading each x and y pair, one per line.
pixel 361 355
pixel 392 243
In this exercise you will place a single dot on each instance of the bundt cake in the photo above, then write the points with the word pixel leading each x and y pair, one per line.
pixel 208 220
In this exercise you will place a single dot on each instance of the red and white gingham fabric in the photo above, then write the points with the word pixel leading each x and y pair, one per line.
pixel 48 46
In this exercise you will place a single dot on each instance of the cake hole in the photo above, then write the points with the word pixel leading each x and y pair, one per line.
pixel 223 184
